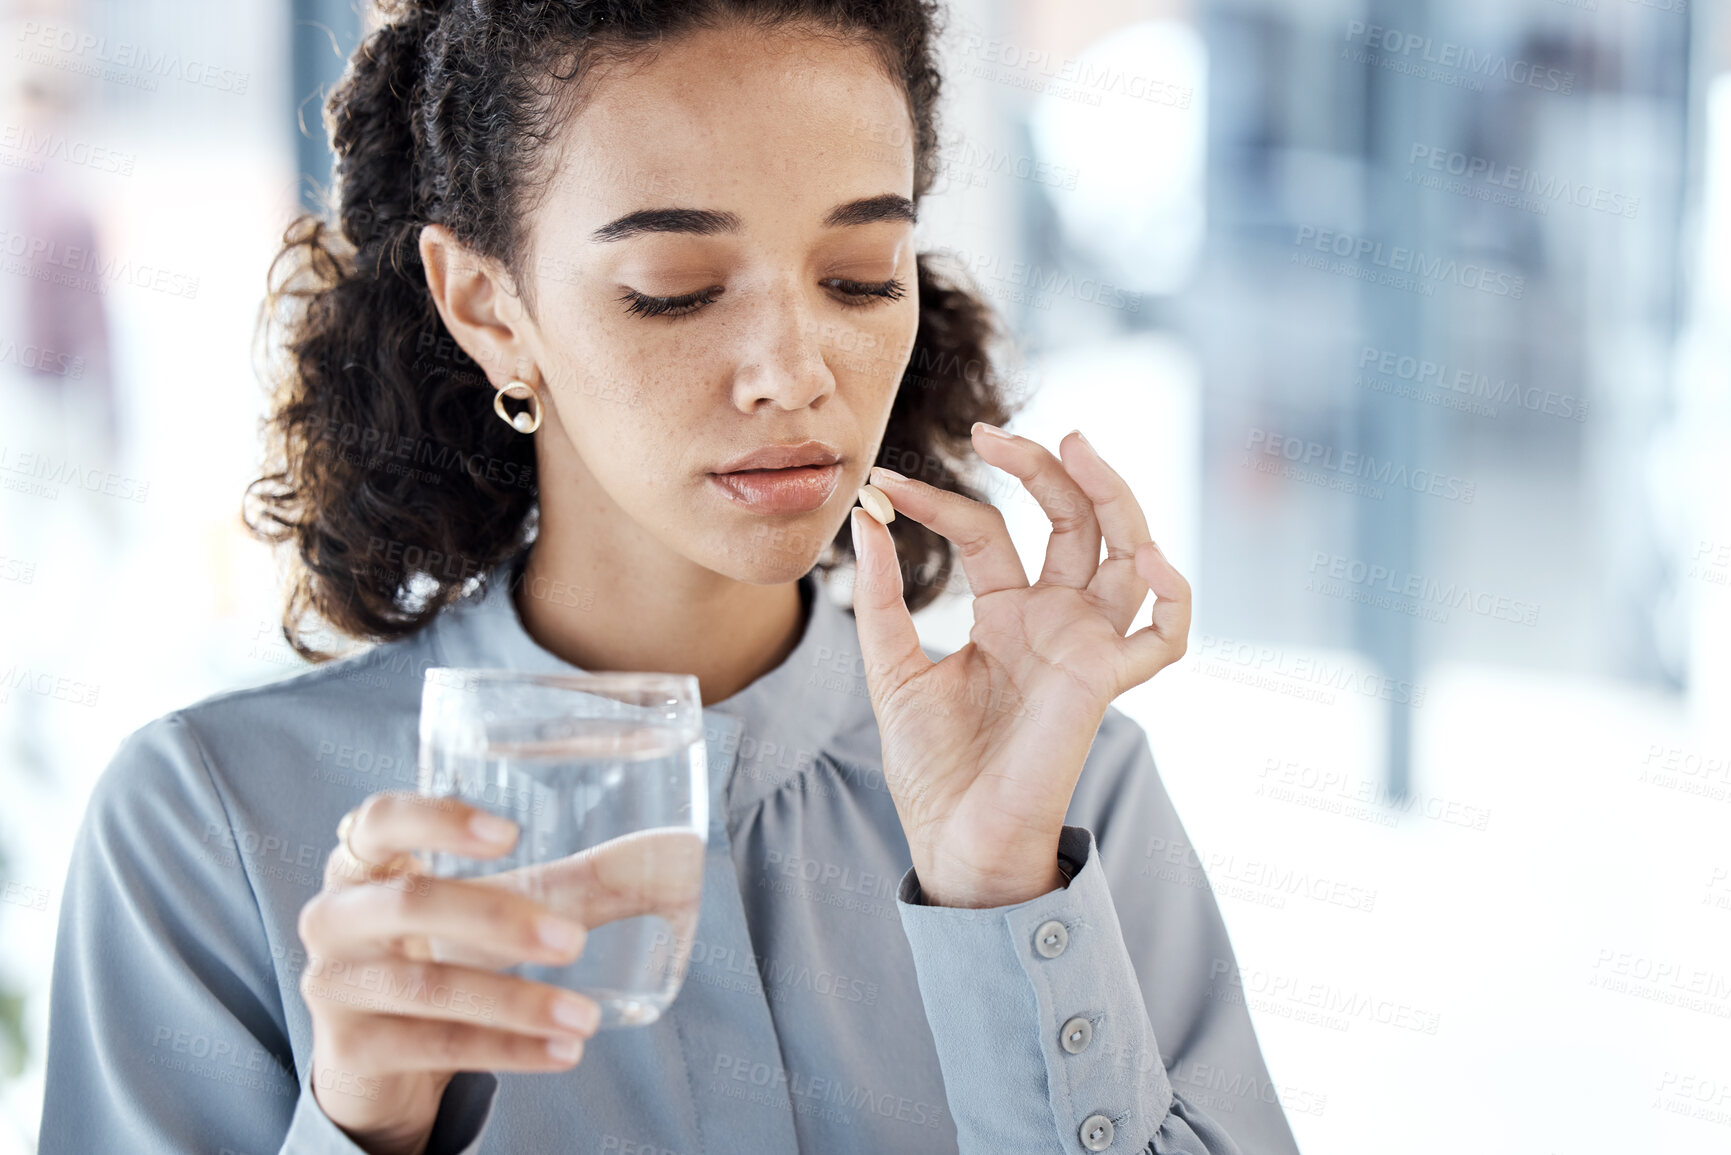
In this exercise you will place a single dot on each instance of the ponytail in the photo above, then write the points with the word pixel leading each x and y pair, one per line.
pixel 385 468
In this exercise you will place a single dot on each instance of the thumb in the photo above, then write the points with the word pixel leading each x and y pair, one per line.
pixel 889 644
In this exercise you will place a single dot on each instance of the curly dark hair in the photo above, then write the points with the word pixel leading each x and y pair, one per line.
pixel 385 465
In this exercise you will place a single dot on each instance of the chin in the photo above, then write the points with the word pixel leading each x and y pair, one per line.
pixel 765 554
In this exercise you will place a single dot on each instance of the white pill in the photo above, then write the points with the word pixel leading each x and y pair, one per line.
pixel 876 504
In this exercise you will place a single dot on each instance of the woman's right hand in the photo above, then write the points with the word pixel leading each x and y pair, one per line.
pixel 391 1027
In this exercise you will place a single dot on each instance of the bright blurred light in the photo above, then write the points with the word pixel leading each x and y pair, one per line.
pixel 1689 463
pixel 1137 207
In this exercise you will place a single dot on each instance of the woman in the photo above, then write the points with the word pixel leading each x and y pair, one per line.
pixel 666 231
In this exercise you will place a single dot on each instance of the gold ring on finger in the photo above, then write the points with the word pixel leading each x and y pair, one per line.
pixel 344 829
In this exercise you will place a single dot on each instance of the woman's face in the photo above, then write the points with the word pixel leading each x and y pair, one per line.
pixel 723 262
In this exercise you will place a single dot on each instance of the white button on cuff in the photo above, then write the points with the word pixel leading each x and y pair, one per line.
pixel 1075 1035
pixel 1051 939
pixel 1096 1132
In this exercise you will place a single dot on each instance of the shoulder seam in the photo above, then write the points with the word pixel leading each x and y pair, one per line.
pixel 192 734
pixel 311 674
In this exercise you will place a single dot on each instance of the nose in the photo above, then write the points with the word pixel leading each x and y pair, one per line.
pixel 780 360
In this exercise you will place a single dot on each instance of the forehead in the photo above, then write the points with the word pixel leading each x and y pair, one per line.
pixel 722 117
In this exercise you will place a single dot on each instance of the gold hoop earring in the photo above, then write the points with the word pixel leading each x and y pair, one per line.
pixel 523 391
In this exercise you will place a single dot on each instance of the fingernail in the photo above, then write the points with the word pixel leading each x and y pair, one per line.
pixel 881 473
pixel 565 1050
pixel 853 521
pixel 492 828
pixel 559 933
pixel 983 427
pixel 577 1013
pixel 1080 436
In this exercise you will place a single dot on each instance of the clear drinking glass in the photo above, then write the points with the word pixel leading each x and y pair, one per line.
pixel 607 777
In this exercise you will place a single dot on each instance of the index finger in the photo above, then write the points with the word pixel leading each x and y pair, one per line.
pixel 388 828
pixel 1123 525
pixel 1073 548
pixel 657 871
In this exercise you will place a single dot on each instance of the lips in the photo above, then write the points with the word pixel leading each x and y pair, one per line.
pixel 782 457
pixel 796 489
pixel 784 478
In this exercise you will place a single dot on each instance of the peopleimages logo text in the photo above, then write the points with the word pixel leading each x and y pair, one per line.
pixel 1468 275
pixel 1315 455
pixel 1497 390
pixel 1543 186
pixel 83 268
pixel 1454 595
pixel 1448 54
pixel 87 47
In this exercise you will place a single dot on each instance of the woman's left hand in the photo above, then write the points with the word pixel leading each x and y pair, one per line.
pixel 982 750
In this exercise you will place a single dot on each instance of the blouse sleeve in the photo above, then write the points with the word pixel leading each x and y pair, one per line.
pixel 166 1029
pixel 1041 1010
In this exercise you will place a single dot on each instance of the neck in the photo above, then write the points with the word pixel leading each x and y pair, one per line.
pixel 689 621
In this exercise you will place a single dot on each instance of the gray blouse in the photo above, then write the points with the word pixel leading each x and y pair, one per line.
pixel 824 1010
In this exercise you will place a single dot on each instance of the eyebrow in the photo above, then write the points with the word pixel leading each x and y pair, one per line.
pixel 869 210
pixel 708 222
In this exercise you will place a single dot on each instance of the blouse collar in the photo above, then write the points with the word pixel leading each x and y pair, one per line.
pixel 776 727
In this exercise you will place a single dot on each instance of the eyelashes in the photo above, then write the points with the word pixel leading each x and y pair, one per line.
pixel 647 306
pixel 862 292
pixel 853 294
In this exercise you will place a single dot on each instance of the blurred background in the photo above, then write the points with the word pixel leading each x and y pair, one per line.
pixel 1407 321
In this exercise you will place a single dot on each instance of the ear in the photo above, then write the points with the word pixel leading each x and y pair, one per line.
pixel 479 304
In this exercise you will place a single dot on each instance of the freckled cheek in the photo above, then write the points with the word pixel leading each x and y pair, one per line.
pixel 652 420
pixel 869 360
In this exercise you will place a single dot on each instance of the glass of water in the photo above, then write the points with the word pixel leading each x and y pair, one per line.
pixel 607 779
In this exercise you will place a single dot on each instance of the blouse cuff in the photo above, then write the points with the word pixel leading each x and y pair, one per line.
pixel 457 1129
pixel 1038 1016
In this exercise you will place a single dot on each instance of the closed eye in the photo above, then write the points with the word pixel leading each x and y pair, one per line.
pixel 853 294
pixel 646 306
pixel 862 292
